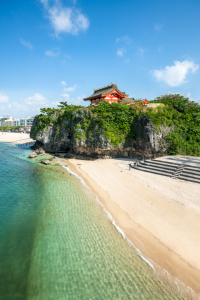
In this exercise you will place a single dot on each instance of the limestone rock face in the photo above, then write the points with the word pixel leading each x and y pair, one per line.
pixel 70 137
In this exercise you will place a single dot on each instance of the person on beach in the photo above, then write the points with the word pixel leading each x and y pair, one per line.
pixel 136 163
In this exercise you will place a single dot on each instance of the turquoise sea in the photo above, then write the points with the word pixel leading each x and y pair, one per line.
pixel 57 242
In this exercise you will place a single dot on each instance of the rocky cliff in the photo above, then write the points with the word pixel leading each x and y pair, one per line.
pixel 69 135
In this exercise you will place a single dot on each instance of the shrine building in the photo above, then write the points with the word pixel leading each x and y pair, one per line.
pixel 109 93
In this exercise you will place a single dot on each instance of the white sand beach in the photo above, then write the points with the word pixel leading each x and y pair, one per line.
pixel 160 215
pixel 16 138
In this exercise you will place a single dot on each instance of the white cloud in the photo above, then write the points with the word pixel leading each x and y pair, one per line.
pixel 65 19
pixel 69 100
pixel 63 83
pixel 53 53
pixel 121 51
pixel 3 98
pixel 125 39
pixel 17 106
pixel 175 75
pixel 71 88
pixel 56 103
pixel 80 98
pixel 37 98
pixel 158 27
pixel 66 96
pixel 26 44
pixel 45 2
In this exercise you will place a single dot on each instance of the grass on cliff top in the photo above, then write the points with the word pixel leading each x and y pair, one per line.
pixel 120 121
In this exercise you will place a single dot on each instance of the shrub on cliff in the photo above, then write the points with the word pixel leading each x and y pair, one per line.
pixel 119 122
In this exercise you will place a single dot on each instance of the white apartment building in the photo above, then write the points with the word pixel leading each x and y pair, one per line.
pixel 8 121
pixel 26 122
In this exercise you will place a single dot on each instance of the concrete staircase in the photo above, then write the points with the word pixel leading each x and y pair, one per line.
pixel 173 170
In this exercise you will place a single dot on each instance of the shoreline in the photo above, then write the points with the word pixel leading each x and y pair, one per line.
pixel 168 264
pixel 15 138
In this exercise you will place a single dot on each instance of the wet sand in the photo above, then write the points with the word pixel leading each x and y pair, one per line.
pixel 159 215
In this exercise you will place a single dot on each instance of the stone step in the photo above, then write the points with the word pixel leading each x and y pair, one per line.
pixel 164 166
pixel 165 162
pixel 192 167
pixel 152 171
pixel 189 179
pixel 190 175
pixel 192 171
pixel 159 168
pixel 176 174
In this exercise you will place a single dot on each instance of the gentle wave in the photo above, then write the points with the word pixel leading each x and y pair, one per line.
pixel 108 214
pixel 167 277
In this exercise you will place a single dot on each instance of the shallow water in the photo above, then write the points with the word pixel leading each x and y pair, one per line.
pixel 56 241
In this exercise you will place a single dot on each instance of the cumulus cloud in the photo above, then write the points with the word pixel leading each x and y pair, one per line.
pixel 63 83
pixel 65 19
pixel 70 89
pixel 3 98
pixel 121 51
pixel 175 75
pixel 37 98
pixel 26 44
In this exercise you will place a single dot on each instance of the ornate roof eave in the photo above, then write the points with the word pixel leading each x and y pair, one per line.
pixel 113 88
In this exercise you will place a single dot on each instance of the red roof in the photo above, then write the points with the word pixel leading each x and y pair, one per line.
pixel 145 101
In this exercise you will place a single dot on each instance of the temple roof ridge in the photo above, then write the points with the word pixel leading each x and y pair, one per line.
pixel 105 90
pixel 105 87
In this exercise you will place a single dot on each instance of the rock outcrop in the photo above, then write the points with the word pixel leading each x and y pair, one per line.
pixel 148 140
pixel 32 155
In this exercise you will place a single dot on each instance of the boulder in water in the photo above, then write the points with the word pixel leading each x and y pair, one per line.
pixel 45 162
pixel 32 155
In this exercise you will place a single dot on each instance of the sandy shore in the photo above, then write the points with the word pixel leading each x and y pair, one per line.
pixel 160 215
pixel 16 138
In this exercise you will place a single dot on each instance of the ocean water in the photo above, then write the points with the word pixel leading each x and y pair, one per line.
pixel 57 242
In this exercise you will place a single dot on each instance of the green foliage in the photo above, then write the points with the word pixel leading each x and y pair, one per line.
pixel 121 123
pixel 13 128
pixel 185 118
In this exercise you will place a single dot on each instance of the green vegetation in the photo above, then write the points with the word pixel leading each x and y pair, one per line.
pixel 13 128
pixel 121 123
pixel 186 122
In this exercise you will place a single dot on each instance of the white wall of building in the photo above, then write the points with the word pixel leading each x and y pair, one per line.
pixel 23 122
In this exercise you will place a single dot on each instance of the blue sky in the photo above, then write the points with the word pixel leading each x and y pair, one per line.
pixel 59 50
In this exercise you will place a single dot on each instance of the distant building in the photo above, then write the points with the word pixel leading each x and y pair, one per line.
pixel 28 121
pixel 27 129
pixel 109 93
pixel 8 121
